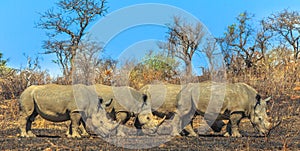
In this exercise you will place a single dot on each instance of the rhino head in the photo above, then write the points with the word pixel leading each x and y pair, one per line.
pixel 102 125
pixel 147 121
pixel 259 117
pixel 99 122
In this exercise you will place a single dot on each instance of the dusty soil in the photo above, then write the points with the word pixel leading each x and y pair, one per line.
pixel 51 135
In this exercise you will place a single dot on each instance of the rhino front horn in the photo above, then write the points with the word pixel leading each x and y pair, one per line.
pixel 161 121
pixel 276 123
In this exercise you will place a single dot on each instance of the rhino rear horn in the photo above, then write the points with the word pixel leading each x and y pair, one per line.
pixel 267 99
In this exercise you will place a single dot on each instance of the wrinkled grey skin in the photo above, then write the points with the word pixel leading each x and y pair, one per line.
pixel 57 103
pixel 239 101
pixel 163 98
pixel 124 102
pixel 164 103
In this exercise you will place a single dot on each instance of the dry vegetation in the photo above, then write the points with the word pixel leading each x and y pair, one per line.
pixel 265 57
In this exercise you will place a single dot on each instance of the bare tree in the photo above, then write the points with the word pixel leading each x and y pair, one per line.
pixel 262 40
pixel 287 25
pixel 241 43
pixel 86 62
pixel 183 41
pixel 66 25
pixel 239 38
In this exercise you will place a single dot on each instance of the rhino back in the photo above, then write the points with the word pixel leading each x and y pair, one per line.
pixel 163 96
pixel 222 97
pixel 128 99
pixel 60 100
pixel 124 98
pixel 26 98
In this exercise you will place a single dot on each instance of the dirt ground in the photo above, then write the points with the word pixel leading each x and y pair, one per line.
pixel 51 135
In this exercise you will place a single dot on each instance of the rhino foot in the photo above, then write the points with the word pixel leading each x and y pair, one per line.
pixel 192 135
pixel 31 134
pixel 74 135
pixel 236 134
pixel 233 135
pixel 28 134
pixel 226 134
pixel 85 134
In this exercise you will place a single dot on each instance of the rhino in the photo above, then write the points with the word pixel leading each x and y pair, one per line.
pixel 122 103
pixel 58 103
pixel 164 102
pixel 221 101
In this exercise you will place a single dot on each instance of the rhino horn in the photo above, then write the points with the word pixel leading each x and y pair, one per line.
pixel 108 103
pixel 162 120
pixel 159 121
pixel 267 99
pixel 274 124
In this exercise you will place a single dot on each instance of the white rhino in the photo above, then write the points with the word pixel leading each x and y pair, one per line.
pixel 58 103
pixel 221 101
pixel 164 102
pixel 124 102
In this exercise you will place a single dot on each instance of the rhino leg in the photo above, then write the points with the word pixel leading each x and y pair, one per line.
pixel 176 124
pixel 75 122
pixel 190 130
pixel 82 128
pixel 186 123
pixel 233 125
pixel 26 122
pixel 122 117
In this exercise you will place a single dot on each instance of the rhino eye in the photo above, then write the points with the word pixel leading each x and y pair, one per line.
pixel 148 118
pixel 259 119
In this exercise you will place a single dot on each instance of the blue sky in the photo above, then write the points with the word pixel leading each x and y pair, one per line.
pixel 18 35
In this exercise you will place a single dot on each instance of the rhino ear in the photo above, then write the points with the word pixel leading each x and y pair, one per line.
pixel 100 101
pixel 145 97
pixel 258 98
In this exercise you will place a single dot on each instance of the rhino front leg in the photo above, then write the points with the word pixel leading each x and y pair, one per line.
pixel 122 117
pixel 75 121
pixel 233 125
pixel 176 125
pixel 82 128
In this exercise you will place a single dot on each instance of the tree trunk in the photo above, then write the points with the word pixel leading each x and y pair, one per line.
pixel 188 71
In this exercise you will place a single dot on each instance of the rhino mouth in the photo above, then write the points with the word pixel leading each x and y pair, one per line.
pixel 266 131
pixel 273 126
pixel 153 125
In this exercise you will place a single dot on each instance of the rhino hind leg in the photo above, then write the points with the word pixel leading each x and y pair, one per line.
pixel 26 120
pixel 74 126
pixel 233 126
pixel 187 122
